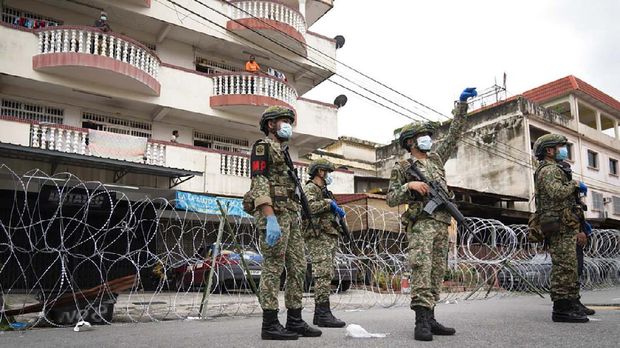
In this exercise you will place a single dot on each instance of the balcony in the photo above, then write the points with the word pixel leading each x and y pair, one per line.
pixel 248 93
pixel 269 23
pixel 89 54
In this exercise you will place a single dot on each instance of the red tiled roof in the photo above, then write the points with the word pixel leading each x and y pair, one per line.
pixel 566 85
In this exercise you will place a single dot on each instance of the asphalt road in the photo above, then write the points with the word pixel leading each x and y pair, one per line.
pixel 523 321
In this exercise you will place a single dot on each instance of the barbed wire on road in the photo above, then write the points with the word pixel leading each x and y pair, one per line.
pixel 73 250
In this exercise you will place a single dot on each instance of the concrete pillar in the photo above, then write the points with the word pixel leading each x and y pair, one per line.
pixel 598 120
pixel 616 129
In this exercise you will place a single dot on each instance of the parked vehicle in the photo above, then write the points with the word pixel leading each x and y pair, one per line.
pixel 229 272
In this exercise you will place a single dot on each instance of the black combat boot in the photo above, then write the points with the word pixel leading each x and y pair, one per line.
pixel 296 324
pixel 422 325
pixel 582 308
pixel 564 311
pixel 323 316
pixel 438 329
pixel 273 330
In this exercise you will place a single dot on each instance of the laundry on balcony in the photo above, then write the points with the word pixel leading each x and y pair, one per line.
pixel 277 74
pixel 117 146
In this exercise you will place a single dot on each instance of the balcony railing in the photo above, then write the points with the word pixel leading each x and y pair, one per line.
pixel 74 140
pixel 92 41
pixel 253 84
pixel 239 165
pixel 268 10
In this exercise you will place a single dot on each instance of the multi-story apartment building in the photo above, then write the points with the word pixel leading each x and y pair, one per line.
pixel 103 105
pixel 496 156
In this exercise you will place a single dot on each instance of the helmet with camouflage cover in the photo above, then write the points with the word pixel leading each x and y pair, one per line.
pixel 414 129
pixel 546 141
pixel 274 113
pixel 320 163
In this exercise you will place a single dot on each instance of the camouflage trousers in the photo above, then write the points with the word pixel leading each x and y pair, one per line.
pixel 322 250
pixel 288 252
pixel 564 279
pixel 428 257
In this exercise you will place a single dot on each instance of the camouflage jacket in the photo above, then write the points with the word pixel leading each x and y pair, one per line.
pixel 324 218
pixel 271 183
pixel 554 190
pixel 432 168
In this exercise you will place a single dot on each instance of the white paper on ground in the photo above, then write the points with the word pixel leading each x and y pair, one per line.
pixel 356 331
pixel 82 326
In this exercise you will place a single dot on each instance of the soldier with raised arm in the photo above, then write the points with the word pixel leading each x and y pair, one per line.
pixel 427 234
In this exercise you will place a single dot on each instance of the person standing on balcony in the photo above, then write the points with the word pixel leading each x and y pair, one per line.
pixel 322 243
pixel 559 214
pixel 175 136
pixel 277 214
pixel 427 234
pixel 252 66
pixel 102 23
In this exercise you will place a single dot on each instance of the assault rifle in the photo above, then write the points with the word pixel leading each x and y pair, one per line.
pixel 344 228
pixel 299 191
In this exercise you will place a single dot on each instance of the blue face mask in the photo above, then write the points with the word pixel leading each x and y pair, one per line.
pixel 285 131
pixel 425 143
pixel 328 179
pixel 561 154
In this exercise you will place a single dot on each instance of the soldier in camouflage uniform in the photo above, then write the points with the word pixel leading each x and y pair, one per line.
pixel 560 224
pixel 322 240
pixel 277 215
pixel 427 234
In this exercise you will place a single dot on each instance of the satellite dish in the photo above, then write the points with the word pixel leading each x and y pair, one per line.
pixel 339 41
pixel 340 101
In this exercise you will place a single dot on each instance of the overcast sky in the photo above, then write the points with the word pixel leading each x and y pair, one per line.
pixel 431 50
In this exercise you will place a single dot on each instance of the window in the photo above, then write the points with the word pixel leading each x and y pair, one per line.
pixel 613 166
pixel 616 202
pixel 26 19
pixel 597 201
pixel 569 147
pixel 30 111
pixel 221 143
pixel 209 66
pixel 592 159
pixel 116 125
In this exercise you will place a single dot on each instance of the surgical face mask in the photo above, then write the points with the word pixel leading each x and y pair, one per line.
pixel 328 179
pixel 285 131
pixel 425 143
pixel 561 154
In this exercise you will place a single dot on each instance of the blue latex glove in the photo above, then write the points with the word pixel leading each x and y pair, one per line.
pixel 273 230
pixel 586 228
pixel 468 92
pixel 583 188
pixel 336 209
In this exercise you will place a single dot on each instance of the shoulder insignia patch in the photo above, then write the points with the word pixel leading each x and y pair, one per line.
pixel 259 159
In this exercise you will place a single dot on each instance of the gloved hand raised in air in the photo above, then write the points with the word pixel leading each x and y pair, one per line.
pixel 273 230
pixel 336 209
pixel 583 188
pixel 467 93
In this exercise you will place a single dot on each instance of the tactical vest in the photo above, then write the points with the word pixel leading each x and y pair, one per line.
pixel 433 170
pixel 282 187
pixel 326 221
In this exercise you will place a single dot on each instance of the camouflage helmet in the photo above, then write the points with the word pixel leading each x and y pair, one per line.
pixel 273 113
pixel 545 141
pixel 320 163
pixel 412 130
